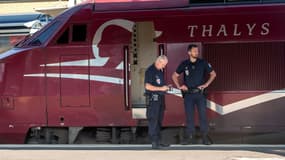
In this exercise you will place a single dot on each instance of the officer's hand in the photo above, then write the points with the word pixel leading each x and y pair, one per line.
pixel 164 88
pixel 203 86
pixel 183 88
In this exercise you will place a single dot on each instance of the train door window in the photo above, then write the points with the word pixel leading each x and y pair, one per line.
pixel 64 38
pixel 79 32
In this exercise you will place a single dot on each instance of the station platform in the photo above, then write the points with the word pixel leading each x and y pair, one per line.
pixel 141 152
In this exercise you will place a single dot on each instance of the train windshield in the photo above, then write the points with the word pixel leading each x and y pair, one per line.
pixel 44 35
pixel 41 37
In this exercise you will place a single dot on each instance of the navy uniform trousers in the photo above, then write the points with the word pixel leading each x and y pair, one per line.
pixel 155 113
pixel 190 101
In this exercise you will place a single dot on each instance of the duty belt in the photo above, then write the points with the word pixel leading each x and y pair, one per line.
pixel 193 90
pixel 153 97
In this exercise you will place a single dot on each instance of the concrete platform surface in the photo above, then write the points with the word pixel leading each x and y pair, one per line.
pixel 141 152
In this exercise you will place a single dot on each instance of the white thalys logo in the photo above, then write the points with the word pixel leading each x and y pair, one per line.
pixel 223 30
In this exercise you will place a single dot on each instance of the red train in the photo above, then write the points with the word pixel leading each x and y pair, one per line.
pixel 80 78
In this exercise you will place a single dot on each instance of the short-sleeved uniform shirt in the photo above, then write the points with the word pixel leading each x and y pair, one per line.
pixel 154 77
pixel 194 73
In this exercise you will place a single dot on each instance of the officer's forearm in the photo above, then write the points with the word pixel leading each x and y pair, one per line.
pixel 212 78
pixel 175 80
pixel 152 88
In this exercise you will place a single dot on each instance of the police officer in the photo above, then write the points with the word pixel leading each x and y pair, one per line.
pixel 155 89
pixel 194 70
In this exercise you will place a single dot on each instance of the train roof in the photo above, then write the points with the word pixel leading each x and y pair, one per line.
pixel 130 5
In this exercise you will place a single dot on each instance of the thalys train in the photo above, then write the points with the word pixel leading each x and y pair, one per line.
pixel 80 79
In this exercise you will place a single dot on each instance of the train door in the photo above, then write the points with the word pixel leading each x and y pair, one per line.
pixel 68 78
pixel 143 52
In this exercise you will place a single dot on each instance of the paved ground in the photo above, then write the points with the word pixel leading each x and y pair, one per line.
pixel 141 152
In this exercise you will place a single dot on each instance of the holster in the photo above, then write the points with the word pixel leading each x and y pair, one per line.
pixel 147 99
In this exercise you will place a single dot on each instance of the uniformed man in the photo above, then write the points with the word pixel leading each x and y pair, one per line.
pixel 195 71
pixel 155 89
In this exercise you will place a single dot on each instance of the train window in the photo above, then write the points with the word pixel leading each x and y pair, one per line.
pixel 63 39
pixel 45 35
pixel 79 32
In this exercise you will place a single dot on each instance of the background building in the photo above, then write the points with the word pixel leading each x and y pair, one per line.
pixel 28 6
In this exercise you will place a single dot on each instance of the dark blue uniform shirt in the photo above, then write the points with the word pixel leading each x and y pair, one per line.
pixel 194 73
pixel 154 77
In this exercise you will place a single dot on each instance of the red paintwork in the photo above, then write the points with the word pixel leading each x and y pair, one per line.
pixel 37 101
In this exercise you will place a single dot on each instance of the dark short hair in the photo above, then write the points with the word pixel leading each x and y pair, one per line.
pixel 191 46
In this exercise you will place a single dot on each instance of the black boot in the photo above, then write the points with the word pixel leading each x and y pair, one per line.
pixel 188 140
pixel 164 144
pixel 155 145
pixel 206 140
